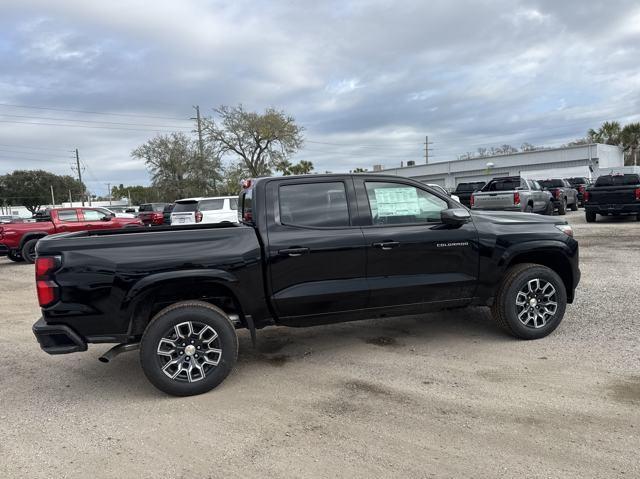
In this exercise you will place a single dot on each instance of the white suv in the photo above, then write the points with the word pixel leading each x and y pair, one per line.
pixel 222 209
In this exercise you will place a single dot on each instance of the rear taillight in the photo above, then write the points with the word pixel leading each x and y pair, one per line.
pixel 472 200
pixel 47 289
pixel 556 193
pixel 585 196
pixel 581 189
pixel 198 216
pixel 637 194
pixel 516 198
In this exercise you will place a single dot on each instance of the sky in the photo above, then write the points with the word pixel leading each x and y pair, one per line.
pixel 368 80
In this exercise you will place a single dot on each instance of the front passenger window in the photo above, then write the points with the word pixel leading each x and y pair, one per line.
pixel 395 203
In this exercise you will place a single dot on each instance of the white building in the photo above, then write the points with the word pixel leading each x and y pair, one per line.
pixel 582 160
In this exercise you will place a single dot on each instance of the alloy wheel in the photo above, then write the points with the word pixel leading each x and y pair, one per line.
pixel 536 303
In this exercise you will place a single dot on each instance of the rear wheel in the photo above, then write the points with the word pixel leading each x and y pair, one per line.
pixel 14 256
pixel 188 348
pixel 531 301
pixel 29 250
pixel 528 209
pixel 549 210
pixel 574 206
pixel 562 207
pixel 590 216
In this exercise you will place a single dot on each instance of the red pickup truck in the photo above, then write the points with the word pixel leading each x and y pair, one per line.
pixel 18 240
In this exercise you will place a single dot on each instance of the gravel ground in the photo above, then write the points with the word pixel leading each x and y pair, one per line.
pixel 441 395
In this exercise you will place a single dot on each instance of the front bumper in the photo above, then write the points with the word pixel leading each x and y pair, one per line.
pixel 57 338
pixel 628 209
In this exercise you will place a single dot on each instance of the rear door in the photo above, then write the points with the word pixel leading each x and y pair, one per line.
pixel 315 252
pixel 213 210
pixel 413 259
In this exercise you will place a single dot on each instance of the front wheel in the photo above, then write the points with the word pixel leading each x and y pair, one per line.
pixel 574 206
pixel 531 301
pixel 562 207
pixel 29 250
pixel 14 256
pixel 590 216
pixel 188 348
pixel 549 210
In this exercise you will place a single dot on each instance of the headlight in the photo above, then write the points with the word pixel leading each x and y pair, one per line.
pixel 566 229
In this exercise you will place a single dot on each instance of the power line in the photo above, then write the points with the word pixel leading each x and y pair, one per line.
pixel 33 107
pixel 31 153
pixel 36 148
pixel 87 126
pixel 30 158
pixel 90 121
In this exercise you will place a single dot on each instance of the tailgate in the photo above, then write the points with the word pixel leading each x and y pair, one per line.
pixel 613 195
pixel 490 200
pixel 186 218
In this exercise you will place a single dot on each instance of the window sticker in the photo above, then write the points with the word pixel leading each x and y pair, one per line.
pixel 397 201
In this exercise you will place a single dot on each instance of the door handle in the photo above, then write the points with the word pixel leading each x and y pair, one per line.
pixel 386 245
pixel 293 252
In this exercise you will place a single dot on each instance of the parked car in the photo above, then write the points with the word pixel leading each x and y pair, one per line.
pixel 222 209
pixel 166 213
pixel 563 195
pixel 444 191
pixel 114 212
pixel 580 183
pixel 152 214
pixel 18 240
pixel 512 193
pixel 311 249
pixel 120 209
pixel 613 195
pixel 464 191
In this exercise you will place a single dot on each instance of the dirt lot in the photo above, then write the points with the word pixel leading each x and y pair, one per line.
pixel 442 395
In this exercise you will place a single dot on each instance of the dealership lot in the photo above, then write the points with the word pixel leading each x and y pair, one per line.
pixel 441 395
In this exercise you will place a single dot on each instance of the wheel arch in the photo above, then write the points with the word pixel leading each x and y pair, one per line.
pixel 32 235
pixel 156 292
pixel 555 258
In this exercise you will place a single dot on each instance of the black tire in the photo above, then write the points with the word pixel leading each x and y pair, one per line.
pixel 29 250
pixel 528 209
pixel 163 324
pixel 549 210
pixel 574 206
pixel 590 216
pixel 505 309
pixel 562 207
pixel 15 256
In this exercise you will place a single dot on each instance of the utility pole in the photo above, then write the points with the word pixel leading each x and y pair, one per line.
pixel 109 187
pixel 79 174
pixel 426 149
pixel 53 199
pixel 70 199
pixel 200 141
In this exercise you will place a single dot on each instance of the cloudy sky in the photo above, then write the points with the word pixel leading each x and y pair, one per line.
pixel 367 79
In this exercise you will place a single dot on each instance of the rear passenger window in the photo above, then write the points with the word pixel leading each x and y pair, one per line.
pixel 67 215
pixel 233 203
pixel 210 205
pixel 314 205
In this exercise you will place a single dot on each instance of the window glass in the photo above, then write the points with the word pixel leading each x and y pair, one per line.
pixel 210 205
pixel 618 180
pixel 394 203
pixel 503 184
pixel 233 203
pixel 67 215
pixel 92 215
pixel 314 204
pixel 185 206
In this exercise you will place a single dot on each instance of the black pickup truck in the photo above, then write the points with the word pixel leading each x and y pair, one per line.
pixel 308 250
pixel 615 195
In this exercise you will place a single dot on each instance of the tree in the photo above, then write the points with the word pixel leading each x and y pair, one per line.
pixel 301 168
pixel 527 147
pixel 176 167
pixel 506 150
pixel 32 188
pixel 608 133
pixel 630 139
pixel 263 142
pixel 138 194
pixel 482 152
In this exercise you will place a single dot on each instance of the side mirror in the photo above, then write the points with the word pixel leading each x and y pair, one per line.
pixel 106 218
pixel 455 216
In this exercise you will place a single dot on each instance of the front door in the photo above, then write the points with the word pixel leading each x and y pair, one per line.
pixel 413 259
pixel 316 256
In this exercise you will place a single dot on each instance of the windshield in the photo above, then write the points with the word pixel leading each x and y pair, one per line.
pixel 618 180
pixel 551 183
pixel 185 207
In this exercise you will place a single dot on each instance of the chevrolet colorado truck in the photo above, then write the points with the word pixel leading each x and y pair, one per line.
pixel 307 250
pixel 563 195
pixel 18 240
pixel 617 194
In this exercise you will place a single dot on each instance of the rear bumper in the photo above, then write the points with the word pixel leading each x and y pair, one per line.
pixel 630 209
pixel 506 208
pixel 57 338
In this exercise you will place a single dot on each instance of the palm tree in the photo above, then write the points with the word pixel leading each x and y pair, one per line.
pixel 630 139
pixel 608 133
